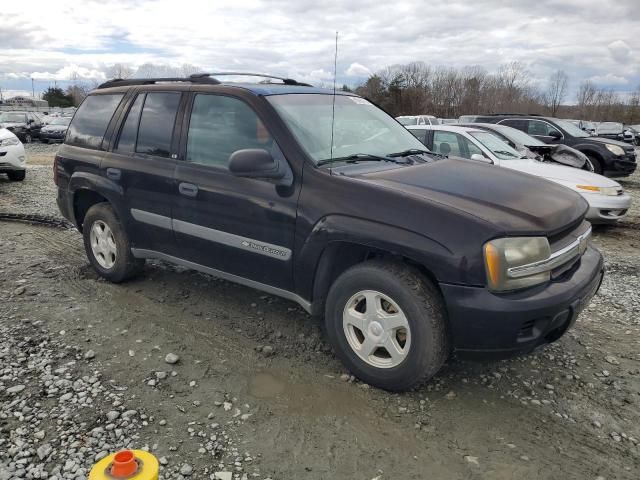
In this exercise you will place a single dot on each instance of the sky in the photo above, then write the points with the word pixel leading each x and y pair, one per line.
pixel 53 40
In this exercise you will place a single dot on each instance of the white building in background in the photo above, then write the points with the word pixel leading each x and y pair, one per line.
pixel 25 102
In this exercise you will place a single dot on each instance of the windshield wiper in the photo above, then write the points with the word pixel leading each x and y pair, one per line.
pixel 355 157
pixel 411 151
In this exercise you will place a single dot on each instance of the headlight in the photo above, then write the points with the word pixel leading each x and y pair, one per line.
pixel 615 149
pixel 610 191
pixel 9 141
pixel 502 255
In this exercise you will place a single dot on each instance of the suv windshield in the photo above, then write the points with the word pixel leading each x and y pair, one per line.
pixel 496 146
pixel 609 127
pixel 570 128
pixel 359 127
pixel 9 117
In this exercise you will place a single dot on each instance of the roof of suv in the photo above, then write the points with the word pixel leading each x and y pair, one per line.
pixel 267 87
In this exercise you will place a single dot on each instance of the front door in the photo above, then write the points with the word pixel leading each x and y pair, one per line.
pixel 241 226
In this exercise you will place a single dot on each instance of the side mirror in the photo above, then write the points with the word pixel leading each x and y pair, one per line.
pixel 556 135
pixel 481 158
pixel 259 163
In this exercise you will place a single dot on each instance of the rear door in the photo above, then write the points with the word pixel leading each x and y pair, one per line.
pixel 141 162
pixel 240 226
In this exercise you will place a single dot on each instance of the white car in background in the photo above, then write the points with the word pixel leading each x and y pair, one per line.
pixel 417 120
pixel 608 202
pixel 12 156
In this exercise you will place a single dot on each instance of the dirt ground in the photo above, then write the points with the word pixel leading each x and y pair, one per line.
pixel 571 410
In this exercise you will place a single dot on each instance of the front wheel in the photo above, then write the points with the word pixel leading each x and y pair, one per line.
pixel 386 322
pixel 597 166
pixel 107 245
pixel 17 176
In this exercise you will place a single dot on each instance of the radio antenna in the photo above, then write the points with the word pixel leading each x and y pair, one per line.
pixel 333 106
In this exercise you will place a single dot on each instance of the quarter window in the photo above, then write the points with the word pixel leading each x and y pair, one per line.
pixel 129 133
pixel 156 123
pixel 221 125
pixel 91 120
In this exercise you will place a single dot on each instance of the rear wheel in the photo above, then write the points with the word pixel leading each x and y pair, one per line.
pixel 386 323
pixel 17 176
pixel 107 245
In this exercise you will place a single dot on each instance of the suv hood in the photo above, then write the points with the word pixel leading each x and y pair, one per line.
pixel 513 202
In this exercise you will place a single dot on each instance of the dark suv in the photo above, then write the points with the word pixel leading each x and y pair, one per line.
pixel 326 200
pixel 25 125
pixel 612 158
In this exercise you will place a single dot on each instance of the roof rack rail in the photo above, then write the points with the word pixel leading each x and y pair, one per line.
pixel 510 114
pixel 286 81
pixel 120 82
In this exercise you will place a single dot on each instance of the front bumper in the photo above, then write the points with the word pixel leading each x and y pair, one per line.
pixel 607 209
pixel 53 136
pixel 488 325
pixel 12 158
pixel 621 166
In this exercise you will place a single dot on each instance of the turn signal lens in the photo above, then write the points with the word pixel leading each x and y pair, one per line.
pixel 590 188
pixel 492 259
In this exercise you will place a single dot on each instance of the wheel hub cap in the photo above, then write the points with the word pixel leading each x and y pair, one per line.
pixel 376 329
pixel 103 244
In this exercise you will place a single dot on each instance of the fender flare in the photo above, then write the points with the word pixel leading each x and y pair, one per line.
pixel 95 183
pixel 334 230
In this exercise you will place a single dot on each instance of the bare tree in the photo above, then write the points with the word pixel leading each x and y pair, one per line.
pixel 556 91
pixel 120 70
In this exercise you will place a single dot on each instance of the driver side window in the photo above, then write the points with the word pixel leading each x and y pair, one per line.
pixel 221 125
pixel 536 127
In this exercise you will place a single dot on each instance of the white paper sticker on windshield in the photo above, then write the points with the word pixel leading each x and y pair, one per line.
pixel 360 101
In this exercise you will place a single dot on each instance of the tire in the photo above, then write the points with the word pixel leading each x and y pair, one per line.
pixel 405 293
pixel 17 176
pixel 597 164
pixel 110 254
pixel 44 140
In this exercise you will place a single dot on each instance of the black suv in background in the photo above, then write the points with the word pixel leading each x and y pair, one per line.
pixel 24 125
pixel 326 200
pixel 612 158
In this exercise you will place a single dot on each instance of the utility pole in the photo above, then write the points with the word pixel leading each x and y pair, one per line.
pixel 33 92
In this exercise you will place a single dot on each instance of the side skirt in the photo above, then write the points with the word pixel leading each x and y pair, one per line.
pixel 142 253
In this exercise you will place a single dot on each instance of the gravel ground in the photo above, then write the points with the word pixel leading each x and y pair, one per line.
pixel 255 391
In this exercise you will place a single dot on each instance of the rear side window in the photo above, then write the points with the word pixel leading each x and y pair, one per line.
pixel 91 120
pixel 156 123
pixel 515 123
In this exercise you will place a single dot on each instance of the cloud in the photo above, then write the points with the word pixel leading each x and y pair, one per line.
pixel 357 70
pixel 297 39
pixel 609 80
pixel 620 51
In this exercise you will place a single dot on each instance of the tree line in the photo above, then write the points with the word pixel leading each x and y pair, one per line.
pixel 417 88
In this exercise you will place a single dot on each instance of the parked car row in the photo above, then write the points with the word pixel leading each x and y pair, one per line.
pixel 29 126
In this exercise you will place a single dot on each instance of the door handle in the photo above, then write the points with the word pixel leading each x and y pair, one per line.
pixel 188 189
pixel 114 173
